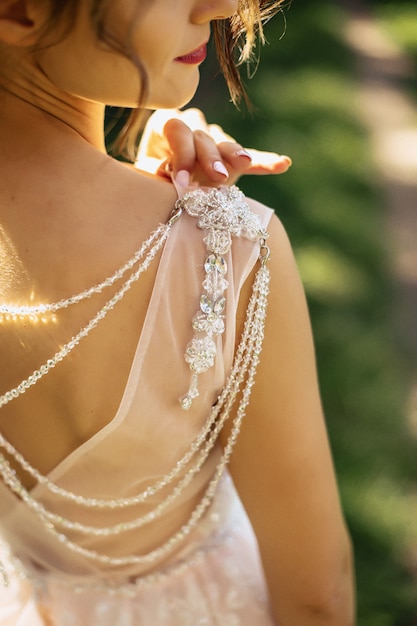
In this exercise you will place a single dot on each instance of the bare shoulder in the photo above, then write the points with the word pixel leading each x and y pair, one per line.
pixel 286 374
pixel 282 465
pixel 278 239
pixel 285 401
pixel 285 279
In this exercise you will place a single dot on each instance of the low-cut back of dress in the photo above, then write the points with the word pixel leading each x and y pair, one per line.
pixel 213 575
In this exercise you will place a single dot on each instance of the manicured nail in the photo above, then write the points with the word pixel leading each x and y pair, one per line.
pixel 220 169
pixel 243 153
pixel 182 178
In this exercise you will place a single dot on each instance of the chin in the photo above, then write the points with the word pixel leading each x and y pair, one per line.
pixel 173 97
pixel 169 103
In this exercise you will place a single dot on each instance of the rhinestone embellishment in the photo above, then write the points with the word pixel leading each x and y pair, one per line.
pixel 223 213
pixel 200 355
pixel 145 254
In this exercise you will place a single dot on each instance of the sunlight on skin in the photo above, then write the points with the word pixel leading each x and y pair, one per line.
pixel 154 149
pixel 13 274
pixel 33 320
pixel 264 162
pixel 12 271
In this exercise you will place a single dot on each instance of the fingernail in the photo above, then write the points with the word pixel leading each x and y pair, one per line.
pixel 287 158
pixel 220 168
pixel 182 178
pixel 243 153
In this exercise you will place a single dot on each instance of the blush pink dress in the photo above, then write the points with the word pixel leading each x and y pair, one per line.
pixel 214 576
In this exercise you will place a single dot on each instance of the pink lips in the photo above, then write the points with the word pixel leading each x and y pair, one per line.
pixel 194 57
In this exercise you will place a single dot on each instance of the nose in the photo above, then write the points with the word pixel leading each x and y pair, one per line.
pixel 208 10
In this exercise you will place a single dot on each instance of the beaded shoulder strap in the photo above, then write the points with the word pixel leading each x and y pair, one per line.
pixel 222 213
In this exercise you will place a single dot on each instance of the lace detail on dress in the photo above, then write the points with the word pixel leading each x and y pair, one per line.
pixel 216 582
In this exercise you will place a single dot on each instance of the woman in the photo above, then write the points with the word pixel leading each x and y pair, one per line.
pixel 115 502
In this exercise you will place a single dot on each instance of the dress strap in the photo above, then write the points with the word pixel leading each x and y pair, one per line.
pixel 222 213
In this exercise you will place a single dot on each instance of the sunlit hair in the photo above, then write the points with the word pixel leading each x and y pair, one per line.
pixel 235 39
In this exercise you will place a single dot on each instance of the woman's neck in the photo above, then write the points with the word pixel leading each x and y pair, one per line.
pixel 34 112
pixel 45 146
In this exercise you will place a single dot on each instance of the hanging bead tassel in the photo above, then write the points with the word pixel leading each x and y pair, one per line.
pixel 223 213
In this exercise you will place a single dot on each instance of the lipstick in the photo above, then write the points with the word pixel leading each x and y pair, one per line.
pixel 194 57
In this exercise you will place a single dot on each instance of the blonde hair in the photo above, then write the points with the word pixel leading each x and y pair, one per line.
pixel 236 39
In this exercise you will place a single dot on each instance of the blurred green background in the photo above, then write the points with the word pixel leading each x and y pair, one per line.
pixel 305 94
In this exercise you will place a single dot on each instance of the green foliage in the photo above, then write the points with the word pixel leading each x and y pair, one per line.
pixel 305 106
pixel 399 20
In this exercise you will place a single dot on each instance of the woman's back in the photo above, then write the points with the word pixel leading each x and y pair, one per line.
pixel 61 234
pixel 106 422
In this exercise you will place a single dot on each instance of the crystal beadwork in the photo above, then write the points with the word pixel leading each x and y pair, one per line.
pixel 215 263
pixel 225 210
pixel 201 352
pixel 35 312
pixel 148 250
pixel 240 382
pixel 223 213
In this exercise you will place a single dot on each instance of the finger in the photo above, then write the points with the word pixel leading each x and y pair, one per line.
pixel 264 163
pixel 194 118
pixel 153 143
pixel 240 161
pixel 253 161
pixel 209 158
pixel 194 151
pixel 182 147
pixel 234 155
pixel 261 162
pixel 217 133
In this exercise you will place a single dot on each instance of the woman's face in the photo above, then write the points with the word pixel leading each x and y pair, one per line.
pixel 168 36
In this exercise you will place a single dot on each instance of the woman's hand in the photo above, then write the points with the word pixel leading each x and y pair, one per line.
pixel 181 144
